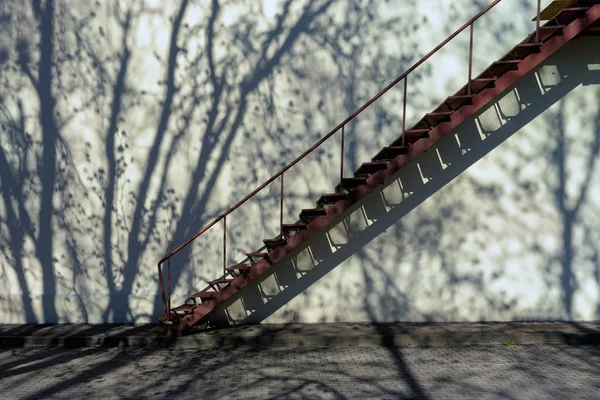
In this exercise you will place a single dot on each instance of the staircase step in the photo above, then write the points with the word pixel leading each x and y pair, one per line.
pixel 308 214
pixel 221 281
pixel 165 320
pixel 256 256
pixel 411 136
pixel 479 84
pixel 546 32
pixel 202 296
pixel 368 168
pixel 567 15
pixel 238 267
pixel 183 309
pixel 389 153
pixel 330 198
pixel 552 27
pixel 500 67
pixel 457 101
pixel 435 118
pixel 350 183
pixel 289 228
pixel 521 51
pixel 274 243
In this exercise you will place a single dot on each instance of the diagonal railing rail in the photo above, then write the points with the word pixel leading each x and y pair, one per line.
pixel 166 297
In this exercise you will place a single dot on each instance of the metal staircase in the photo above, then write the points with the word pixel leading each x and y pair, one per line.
pixel 565 20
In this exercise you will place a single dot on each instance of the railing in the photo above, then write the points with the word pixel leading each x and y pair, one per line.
pixel 340 127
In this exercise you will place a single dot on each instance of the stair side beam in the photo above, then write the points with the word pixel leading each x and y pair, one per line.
pixel 281 207
pixel 224 243
pixel 342 159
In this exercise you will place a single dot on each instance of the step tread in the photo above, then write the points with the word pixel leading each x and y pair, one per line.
pixel 314 211
pixel 355 179
pixel 330 198
pixel 501 62
pixel 203 295
pixel 391 152
pixel 368 168
pixel 297 226
pixel 240 267
pixel 435 118
pixel 184 307
pixel 274 242
pixel 462 96
pixel 220 280
pixel 528 45
pixel 439 114
pixel 351 183
pixel 257 254
pixel 308 214
pixel 522 51
pixel 457 101
pixel 551 27
pixel 424 130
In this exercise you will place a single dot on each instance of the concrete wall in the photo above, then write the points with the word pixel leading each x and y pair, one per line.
pixel 126 126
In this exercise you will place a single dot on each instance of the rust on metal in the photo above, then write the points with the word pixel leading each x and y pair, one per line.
pixel 224 242
pixel 281 208
pixel 404 113
pixel 342 159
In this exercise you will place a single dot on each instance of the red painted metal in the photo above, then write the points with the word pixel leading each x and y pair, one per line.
pixel 404 113
pixel 224 243
pixel 161 282
pixel 377 178
pixel 169 285
pixel 281 208
pixel 342 160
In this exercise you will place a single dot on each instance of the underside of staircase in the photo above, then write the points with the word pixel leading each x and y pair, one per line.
pixel 563 25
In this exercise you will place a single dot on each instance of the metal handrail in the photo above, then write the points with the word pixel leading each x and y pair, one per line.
pixel 223 216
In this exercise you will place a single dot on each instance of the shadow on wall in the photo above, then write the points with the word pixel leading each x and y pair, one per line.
pixel 104 167
pixel 416 182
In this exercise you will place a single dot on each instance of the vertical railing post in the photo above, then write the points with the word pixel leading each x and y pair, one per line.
pixel 537 23
pixel 281 208
pixel 169 286
pixel 404 114
pixel 342 159
pixel 161 282
pixel 224 243
pixel 470 59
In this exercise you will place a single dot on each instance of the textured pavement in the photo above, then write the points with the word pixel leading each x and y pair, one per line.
pixel 500 371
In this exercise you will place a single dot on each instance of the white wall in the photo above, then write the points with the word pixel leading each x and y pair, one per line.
pixel 173 134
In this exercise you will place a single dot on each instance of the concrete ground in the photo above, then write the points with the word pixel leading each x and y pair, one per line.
pixel 439 361
pixel 452 372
